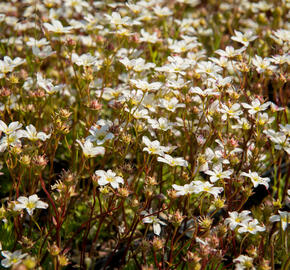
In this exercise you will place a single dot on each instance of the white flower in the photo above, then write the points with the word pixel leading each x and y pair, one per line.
pixel 281 35
pixel 177 65
pixel 216 157
pixel 136 8
pixel 285 129
pixel 89 150
pixel 220 81
pixel 282 142
pixel 146 86
pixel 243 262
pixel 244 38
pixel 44 53
pixel 243 123
pixel 184 190
pixel 57 27
pixel 251 227
pixel 100 132
pixel 154 220
pixel 33 135
pixel 263 119
pixel 137 65
pixel 181 46
pixel 208 68
pixel 256 179
pixel 262 64
pixel 171 105
pixel 280 59
pixel 153 147
pixel 217 173
pixel 178 161
pixel 230 52
pixel 139 113
pixel 7 65
pixel 109 177
pixel 85 60
pixel 116 19
pixel 13 126
pixel 203 93
pixel 146 37
pixel 47 85
pixel 78 5
pixel 30 204
pixel 162 123
pixel 256 106
pixel 32 42
pixel 192 3
pixel 12 259
pixel 12 139
pixel 177 83
pixel 230 112
pixel 162 11
pixel 208 188
pixel 283 217
pixel 236 218
pixel 280 139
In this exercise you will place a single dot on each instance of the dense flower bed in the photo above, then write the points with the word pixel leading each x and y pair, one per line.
pixel 144 134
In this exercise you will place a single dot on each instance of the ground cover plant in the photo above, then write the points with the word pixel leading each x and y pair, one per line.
pixel 144 134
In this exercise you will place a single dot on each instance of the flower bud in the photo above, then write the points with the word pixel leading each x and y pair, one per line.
pixel 25 160
pixel 157 243
pixel 135 203
pixel 5 92
pixel 123 192
pixel 54 250
pixel 252 251
pixel 2 213
pixel 150 181
pixel 264 265
pixel 277 204
pixel 219 203
pixel 262 18
pixel 172 194
pixel 88 262
pixel 95 105
pixel 176 218
pixel 63 260
pixel 205 222
pixel 16 150
pixel 193 260
pixel 13 79
pixel 104 190
pixel 64 113
pixel 278 11
pixel 30 262
pixel 40 161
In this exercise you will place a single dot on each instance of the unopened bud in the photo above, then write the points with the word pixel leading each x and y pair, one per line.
pixel 63 260
pixel 54 250
pixel 123 192
pixel 157 243
pixel 30 262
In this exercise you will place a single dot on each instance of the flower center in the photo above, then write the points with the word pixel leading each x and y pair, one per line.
pixel 110 179
pixel 30 205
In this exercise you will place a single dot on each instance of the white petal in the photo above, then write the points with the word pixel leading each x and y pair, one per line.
pixel 156 228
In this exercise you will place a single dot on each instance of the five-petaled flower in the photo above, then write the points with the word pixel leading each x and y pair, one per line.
pixel 156 222
pixel 30 204
pixel 256 179
pixel 12 259
pixel 109 177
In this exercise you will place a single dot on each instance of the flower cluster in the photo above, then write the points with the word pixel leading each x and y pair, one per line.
pixel 144 134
